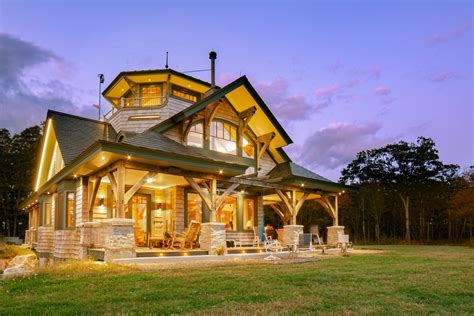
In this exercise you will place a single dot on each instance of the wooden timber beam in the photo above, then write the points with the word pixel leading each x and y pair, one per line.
pixel 113 184
pixel 333 208
pixel 92 197
pixel 265 140
pixel 226 193
pixel 187 128
pixel 291 203
pixel 130 192
pixel 120 191
pixel 205 196
pixel 211 111
pixel 246 115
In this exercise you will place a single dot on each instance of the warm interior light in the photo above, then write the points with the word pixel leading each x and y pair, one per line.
pixel 103 157
pixel 43 154
pixel 149 180
pixel 220 171
pixel 242 191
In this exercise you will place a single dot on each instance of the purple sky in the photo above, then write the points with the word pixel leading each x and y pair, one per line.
pixel 341 77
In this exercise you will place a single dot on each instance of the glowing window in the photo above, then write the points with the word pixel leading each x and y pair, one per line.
pixel 184 94
pixel 195 136
pixel 70 209
pixel 194 208
pixel 249 211
pixel 248 148
pixel 223 137
pixel 150 95
pixel 227 213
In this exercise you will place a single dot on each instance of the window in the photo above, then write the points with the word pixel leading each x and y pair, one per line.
pixel 70 209
pixel 46 214
pixel 195 135
pixel 150 95
pixel 248 148
pixel 249 213
pixel 223 137
pixel 194 208
pixel 184 93
pixel 227 213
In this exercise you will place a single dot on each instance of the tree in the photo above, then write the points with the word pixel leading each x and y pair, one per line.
pixel 461 204
pixel 18 161
pixel 402 169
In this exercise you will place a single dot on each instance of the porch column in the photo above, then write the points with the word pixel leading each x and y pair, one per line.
pixel 291 232
pixel 120 190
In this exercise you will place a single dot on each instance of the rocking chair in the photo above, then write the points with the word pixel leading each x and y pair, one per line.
pixel 189 237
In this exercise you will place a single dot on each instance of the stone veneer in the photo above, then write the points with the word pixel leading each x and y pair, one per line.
pixel 119 239
pixel 291 234
pixel 333 234
pixel 212 236
pixel 66 243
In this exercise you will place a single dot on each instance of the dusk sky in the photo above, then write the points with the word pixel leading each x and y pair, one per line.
pixel 341 76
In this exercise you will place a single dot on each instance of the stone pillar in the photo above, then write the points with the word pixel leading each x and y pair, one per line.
pixel 86 238
pixel 119 239
pixel 291 234
pixel 212 237
pixel 333 234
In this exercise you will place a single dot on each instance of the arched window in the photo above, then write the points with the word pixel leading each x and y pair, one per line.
pixel 248 147
pixel 223 137
pixel 196 135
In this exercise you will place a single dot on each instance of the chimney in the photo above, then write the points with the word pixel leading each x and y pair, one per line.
pixel 212 57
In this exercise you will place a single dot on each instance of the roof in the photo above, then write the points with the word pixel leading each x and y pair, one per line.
pixel 291 169
pixel 152 140
pixel 75 134
pixel 153 71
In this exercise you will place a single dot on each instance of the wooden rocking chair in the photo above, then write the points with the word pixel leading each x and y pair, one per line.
pixel 189 237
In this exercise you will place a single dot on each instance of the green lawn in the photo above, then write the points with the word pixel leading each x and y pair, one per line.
pixel 404 279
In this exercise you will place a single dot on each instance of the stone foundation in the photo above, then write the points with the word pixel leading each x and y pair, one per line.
pixel 119 239
pixel 45 239
pixel 291 234
pixel 213 236
pixel 66 243
pixel 333 234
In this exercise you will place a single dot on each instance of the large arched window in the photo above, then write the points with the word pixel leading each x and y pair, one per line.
pixel 196 135
pixel 223 137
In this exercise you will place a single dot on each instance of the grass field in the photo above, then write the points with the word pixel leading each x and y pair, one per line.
pixel 403 279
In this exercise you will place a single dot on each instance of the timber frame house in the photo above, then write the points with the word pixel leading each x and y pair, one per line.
pixel 173 149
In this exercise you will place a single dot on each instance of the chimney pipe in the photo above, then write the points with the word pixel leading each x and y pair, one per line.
pixel 212 57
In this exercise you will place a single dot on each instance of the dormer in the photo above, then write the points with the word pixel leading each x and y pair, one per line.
pixel 142 99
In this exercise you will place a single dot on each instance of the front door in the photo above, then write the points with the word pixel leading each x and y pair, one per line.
pixel 139 206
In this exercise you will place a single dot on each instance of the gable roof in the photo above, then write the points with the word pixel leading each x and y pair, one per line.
pixel 75 134
pixel 155 141
pixel 282 137
pixel 291 169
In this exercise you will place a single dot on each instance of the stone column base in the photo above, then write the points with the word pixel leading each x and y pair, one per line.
pixel 333 234
pixel 291 234
pixel 119 239
pixel 213 238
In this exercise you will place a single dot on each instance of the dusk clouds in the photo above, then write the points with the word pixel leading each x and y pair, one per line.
pixel 443 37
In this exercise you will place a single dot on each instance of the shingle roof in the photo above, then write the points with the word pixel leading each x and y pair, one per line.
pixel 75 134
pixel 155 141
pixel 291 169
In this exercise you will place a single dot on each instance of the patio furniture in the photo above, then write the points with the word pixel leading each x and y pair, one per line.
pixel 280 234
pixel 343 243
pixel 189 237
pixel 272 245
pixel 257 235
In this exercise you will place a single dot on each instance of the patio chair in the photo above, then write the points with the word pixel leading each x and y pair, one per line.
pixel 272 245
pixel 343 243
pixel 257 235
pixel 280 234
pixel 189 237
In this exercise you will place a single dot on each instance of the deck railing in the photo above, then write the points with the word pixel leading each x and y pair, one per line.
pixel 135 103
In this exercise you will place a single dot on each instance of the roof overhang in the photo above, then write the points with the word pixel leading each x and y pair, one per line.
pixel 327 186
pixel 241 95
pixel 123 82
pixel 103 153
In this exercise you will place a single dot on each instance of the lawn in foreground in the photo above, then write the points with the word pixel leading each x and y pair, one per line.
pixel 404 279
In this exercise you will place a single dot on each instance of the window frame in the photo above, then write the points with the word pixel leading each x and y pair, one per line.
pixel 202 134
pixel 184 90
pixel 232 125
pixel 140 91
pixel 43 213
pixel 65 210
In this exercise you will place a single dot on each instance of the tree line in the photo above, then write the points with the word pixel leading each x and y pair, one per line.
pixel 17 167
pixel 405 192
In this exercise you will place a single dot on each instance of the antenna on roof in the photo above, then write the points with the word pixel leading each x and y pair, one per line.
pixel 101 81
pixel 166 66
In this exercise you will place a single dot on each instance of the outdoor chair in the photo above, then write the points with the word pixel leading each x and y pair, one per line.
pixel 280 234
pixel 189 237
pixel 272 245
pixel 343 243
pixel 257 233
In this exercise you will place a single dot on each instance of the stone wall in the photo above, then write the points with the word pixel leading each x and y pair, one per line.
pixel 45 239
pixel 66 244
pixel 333 234
pixel 291 234
pixel 179 208
pixel 119 239
pixel 212 237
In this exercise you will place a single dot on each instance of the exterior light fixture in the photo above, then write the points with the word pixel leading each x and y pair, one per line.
pixel 302 185
pixel 103 157
pixel 185 254
pixel 149 180
pixel 221 171
pixel 129 157
pixel 75 176
pixel 343 191
pixel 242 191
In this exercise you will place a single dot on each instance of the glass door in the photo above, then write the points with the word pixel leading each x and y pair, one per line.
pixel 140 209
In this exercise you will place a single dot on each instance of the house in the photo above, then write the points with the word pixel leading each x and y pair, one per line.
pixel 173 149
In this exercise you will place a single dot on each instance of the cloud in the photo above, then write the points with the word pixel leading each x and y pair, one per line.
pixel 457 32
pixel 382 90
pixel 337 144
pixel 443 76
pixel 328 91
pixel 288 107
pixel 367 73
pixel 26 94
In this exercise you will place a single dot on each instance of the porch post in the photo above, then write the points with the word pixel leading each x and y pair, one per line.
pixel 120 190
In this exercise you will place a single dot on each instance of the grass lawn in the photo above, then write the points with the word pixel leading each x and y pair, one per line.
pixel 403 279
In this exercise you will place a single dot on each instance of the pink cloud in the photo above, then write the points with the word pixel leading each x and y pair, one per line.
pixel 457 32
pixel 442 76
pixel 382 90
pixel 328 91
pixel 370 72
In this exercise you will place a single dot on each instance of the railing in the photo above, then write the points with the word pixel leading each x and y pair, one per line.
pixel 134 103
